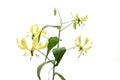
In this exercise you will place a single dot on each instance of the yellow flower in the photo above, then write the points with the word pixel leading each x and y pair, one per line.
pixel 38 45
pixel 84 18
pixel 22 44
pixel 82 47
pixel 35 45
pixel 34 29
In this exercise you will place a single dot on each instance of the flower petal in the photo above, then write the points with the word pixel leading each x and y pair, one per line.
pixel 34 29
pixel 86 41
pixel 78 40
pixel 22 44
pixel 41 46
pixel 34 43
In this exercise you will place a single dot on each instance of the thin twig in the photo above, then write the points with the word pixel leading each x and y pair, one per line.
pixel 66 26
pixel 71 48
pixel 60 18
pixel 43 54
pixel 67 22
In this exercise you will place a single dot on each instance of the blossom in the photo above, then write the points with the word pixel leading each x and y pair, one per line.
pixel 80 21
pixel 82 47
pixel 34 29
pixel 22 44
pixel 38 45
pixel 35 45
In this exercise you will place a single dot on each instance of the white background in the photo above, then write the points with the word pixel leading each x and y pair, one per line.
pixel 102 62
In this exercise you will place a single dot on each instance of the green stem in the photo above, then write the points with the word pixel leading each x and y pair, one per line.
pixel 71 48
pixel 60 29
pixel 43 54
pixel 58 38
pixel 67 22
pixel 58 42
pixel 60 18
pixel 41 33
pixel 67 26
pixel 54 26
pixel 54 61
pixel 53 71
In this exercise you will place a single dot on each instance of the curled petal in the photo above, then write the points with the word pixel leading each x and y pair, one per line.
pixel 85 18
pixel 34 43
pixel 87 47
pixel 41 46
pixel 82 48
pixel 86 41
pixel 34 29
pixel 78 40
pixel 22 44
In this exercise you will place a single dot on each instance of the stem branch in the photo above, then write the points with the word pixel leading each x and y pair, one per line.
pixel 43 54
pixel 66 26
pixel 71 48
pixel 53 71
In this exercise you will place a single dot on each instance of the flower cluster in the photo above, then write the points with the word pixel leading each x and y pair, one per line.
pixel 83 47
pixel 35 31
pixel 79 20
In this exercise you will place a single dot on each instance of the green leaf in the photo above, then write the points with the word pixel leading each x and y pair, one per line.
pixel 74 25
pixel 55 12
pixel 62 78
pixel 58 54
pixel 52 43
pixel 40 68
